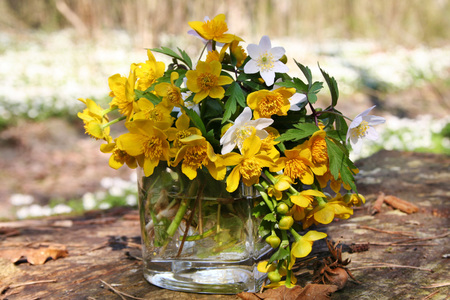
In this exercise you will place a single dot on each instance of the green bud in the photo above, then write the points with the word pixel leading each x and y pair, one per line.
pixel 282 208
pixel 286 222
pixel 274 276
pixel 273 240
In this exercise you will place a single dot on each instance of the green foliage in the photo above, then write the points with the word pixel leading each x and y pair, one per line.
pixel 340 164
pixel 169 52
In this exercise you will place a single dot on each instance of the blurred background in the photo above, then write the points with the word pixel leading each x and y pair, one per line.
pixel 393 54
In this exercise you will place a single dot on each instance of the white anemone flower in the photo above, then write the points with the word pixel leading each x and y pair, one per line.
pixel 362 127
pixel 265 60
pixel 243 128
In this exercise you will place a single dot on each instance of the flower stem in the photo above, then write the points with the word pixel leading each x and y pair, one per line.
pixel 178 217
pixel 114 121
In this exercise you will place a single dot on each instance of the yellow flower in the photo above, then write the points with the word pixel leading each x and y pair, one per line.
pixel 159 114
pixel 317 153
pixel 122 89
pixel 325 212
pixel 303 245
pixel 238 52
pixel 148 72
pixel 170 92
pixel 305 198
pixel 207 81
pixel 281 183
pixel 213 55
pixel 179 132
pixel 197 152
pixel 248 165
pixel 354 199
pixel 214 30
pixel 118 157
pixel 94 120
pixel 296 165
pixel 335 185
pixel 267 103
pixel 145 142
pixel 268 144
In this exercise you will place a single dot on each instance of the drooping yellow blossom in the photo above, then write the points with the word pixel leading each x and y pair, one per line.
pixel 145 142
pixel 354 199
pixel 94 120
pixel 296 165
pixel 238 52
pixel 214 30
pixel 268 144
pixel 268 103
pixel 335 185
pixel 316 150
pixel 303 245
pixel 280 184
pixel 118 157
pixel 170 92
pixel 248 165
pixel 212 55
pixel 147 73
pixel 206 80
pixel 198 152
pixel 325 212
pixel 159 114
pixel 306 197
pixel 179 132
pixel 122 91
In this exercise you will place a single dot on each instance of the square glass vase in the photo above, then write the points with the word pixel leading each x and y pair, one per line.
pixel 197 237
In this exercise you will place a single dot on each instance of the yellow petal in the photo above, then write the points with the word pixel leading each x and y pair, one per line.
pixel 325 215
pixel 301 248
pixel 233 180
pixel 313 235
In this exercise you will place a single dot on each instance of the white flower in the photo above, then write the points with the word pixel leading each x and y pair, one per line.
pixel 265 60
pixel 243 128
pixel 361 127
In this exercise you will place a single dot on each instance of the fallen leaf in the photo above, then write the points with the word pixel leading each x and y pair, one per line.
pixel 34 256
pixel 310 291
pixel 401 204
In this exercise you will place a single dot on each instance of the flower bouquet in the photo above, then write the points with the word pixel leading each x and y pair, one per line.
pixel 233 158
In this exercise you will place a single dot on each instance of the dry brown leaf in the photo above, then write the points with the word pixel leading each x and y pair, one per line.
pixel 401 204
pixel 310 291
pixel 34 256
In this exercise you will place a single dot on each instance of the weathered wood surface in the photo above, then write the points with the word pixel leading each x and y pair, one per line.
pixel 102 246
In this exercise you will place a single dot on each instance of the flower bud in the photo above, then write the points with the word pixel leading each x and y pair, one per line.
pixel 273 240
pixel 286 222
pixel 274 276
pixel 282 208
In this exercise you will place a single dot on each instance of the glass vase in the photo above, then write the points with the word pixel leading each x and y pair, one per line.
pixel 196 236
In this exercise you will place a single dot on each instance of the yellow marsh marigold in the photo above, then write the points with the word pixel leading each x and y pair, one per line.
pixel 196 153
pixel 159 114
pixel 214 30
pixel 170 92
pixel 145 142
pixel 306 197
pixel 94 120
pixel 248 165
pixel 179 132
pixel 316 150
pixel 268 103
pixel 118 157
pixel 326 211
pixel 303 245
pixel 296 165
pixel 122 89
pixel 147 73
pixel 207 81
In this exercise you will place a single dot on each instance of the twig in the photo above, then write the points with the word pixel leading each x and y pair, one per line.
pixel 401 204
pixel 430 295
pixel 436 285
pixel 378 203
pixel 407 241
pixel 388 265
pixel 12 286
pixel 119 293
pixel 401 245
pixel 385 231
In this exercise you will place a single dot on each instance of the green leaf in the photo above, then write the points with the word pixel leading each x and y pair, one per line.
pixel 230 109
pixel 149 96
pixel 340 163
pixel 265 228
pixel 169 52
pixel 235 91
pixel 186 58
pixel 332 85
pixel 306 71
pixel 300 132
pixel 270 217
pixel 280 254
pixel 195 119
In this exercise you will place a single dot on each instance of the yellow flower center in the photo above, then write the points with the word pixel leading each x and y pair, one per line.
pixel 196 156
pixel 120 155
pixel 361 129
pixel 250 168
pixel 153 148
pixel 270 105
pixel 295 168
pixel 214 28
pixel 319 151
pixel 180 135
pixel 174 96
pixel 265 62
pixel 243 133
pixel 206 81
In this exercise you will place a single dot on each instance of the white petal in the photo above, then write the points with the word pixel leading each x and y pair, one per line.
pixel 355 123
pixel 372 134
pixel 262 134
pixel 357 146
pixel 251 67
pixel 262 123
pixel 245 116
pixel 279 67
pixel 265 44
pixel 254 51
pixel 228 147
pixel 294 108
pixel 297 98
pixel 277 52
pixel 374 120
pixel 268 76
pixel 366 112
